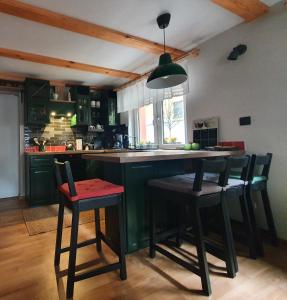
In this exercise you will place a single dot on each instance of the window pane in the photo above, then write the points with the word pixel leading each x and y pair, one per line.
pixel 173 121
pixel 146 126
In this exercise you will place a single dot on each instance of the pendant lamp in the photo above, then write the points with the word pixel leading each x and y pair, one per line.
pixel 167 74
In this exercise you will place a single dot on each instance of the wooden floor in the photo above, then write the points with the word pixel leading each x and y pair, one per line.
pixel 27 272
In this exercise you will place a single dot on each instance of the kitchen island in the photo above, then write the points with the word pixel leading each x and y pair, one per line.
pixel 133 170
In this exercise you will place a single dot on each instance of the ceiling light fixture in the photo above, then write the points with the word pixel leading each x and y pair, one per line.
pixel 167 74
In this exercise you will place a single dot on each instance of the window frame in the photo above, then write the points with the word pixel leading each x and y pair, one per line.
pixel 158 125
pixel 160 129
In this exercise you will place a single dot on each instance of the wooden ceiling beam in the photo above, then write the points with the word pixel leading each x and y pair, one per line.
pixel 57 62
pixel 48 17
pixel 249 10
pixel 17 77
pixel 192 53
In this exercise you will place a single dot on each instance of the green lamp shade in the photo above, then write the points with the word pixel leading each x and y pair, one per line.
pixel 167 74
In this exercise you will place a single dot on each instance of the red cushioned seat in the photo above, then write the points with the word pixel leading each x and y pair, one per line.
pixel 91 188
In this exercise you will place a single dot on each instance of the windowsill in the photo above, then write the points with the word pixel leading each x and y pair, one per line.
pixel 171 146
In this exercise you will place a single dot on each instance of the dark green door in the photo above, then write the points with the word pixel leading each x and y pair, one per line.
pixel 42 185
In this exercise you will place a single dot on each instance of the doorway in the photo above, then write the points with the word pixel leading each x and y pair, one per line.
pixel 9 146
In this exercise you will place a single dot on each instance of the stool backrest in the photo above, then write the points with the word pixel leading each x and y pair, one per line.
pixel 238 165
pixel 217 167
pixel 66 167
pixel 257 162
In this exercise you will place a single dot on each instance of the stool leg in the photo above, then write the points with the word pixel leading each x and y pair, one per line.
pixel 98 229
pixel 269 217
pixel 151 226
pixel 59 233
pixel 122 252
pixel 229 248
pixel 257 235
pixel 73 252
pixel 180 224
pixel 248 225
pixel 201 254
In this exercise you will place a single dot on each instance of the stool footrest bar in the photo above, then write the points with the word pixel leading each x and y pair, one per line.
pixel 99 271
pixel 80 245
pixel 178 260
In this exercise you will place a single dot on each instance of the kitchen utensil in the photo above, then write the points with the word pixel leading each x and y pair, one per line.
pixel 55 96
pixel 79 144
pixel 70 146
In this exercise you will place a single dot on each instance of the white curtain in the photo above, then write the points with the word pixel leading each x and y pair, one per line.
pixel 138 95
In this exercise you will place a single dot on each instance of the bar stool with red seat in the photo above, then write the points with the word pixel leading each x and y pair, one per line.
pixel 82 196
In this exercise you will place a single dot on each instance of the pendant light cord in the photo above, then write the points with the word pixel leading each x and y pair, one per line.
pixel 164 40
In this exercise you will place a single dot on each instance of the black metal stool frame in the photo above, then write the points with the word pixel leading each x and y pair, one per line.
pixel 265 162
pixel 196 203
pixel 77 207
pixel 242 163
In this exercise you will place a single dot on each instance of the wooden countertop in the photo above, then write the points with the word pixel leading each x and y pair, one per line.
pixel 156 155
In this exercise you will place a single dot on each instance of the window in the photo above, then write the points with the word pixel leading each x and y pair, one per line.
pixel 146 126
pixel 162 123
pixel 173 121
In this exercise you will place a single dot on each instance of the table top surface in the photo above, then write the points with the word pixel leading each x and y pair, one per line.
pixel 156 155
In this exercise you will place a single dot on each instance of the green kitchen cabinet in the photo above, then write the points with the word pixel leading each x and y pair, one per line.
pixel 40 180
pixel 134 177
pixel 36 101
pixel 106 114
pixel 62 109
pixel 83 110
pixel 42 190
pixel 113 117
pixel 81 94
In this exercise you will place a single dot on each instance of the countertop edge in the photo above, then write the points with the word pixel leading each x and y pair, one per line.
pixel 108 157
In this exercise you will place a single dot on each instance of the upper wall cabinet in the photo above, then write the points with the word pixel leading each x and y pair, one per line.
pixel 36 98
pixel 106 114
pixel 113 116
pixel 81 94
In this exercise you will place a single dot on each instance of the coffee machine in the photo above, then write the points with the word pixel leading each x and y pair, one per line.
pixel 118 141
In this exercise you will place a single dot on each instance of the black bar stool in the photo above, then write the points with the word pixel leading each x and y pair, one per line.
pixel 258 180
pixel 81 196
pixel 237 188
pixel 193 193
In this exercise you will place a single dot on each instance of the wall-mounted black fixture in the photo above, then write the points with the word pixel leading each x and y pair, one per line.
pixel 237 51
pixel 243 121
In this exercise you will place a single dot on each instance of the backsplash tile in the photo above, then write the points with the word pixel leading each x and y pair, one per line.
pixel 56 132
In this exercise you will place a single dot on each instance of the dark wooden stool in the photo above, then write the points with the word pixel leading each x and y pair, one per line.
pixel 237 188
pixel 81 196
pixel 194 193
pixel 258 180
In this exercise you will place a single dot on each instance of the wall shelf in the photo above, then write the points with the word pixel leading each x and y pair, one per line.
pixel 62 101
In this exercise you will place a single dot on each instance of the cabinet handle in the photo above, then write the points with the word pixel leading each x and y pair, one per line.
pixel 39 172
pixel 141 167
pixel 41 159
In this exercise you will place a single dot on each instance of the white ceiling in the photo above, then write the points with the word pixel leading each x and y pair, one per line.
pixel 192 22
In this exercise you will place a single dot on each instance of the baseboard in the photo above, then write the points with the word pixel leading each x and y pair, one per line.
pixel 12 203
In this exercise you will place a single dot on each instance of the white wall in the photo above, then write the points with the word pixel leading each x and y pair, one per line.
pixel 255 85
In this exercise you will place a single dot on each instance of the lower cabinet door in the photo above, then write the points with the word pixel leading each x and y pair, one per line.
pixel 42 186
pixel 136 176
